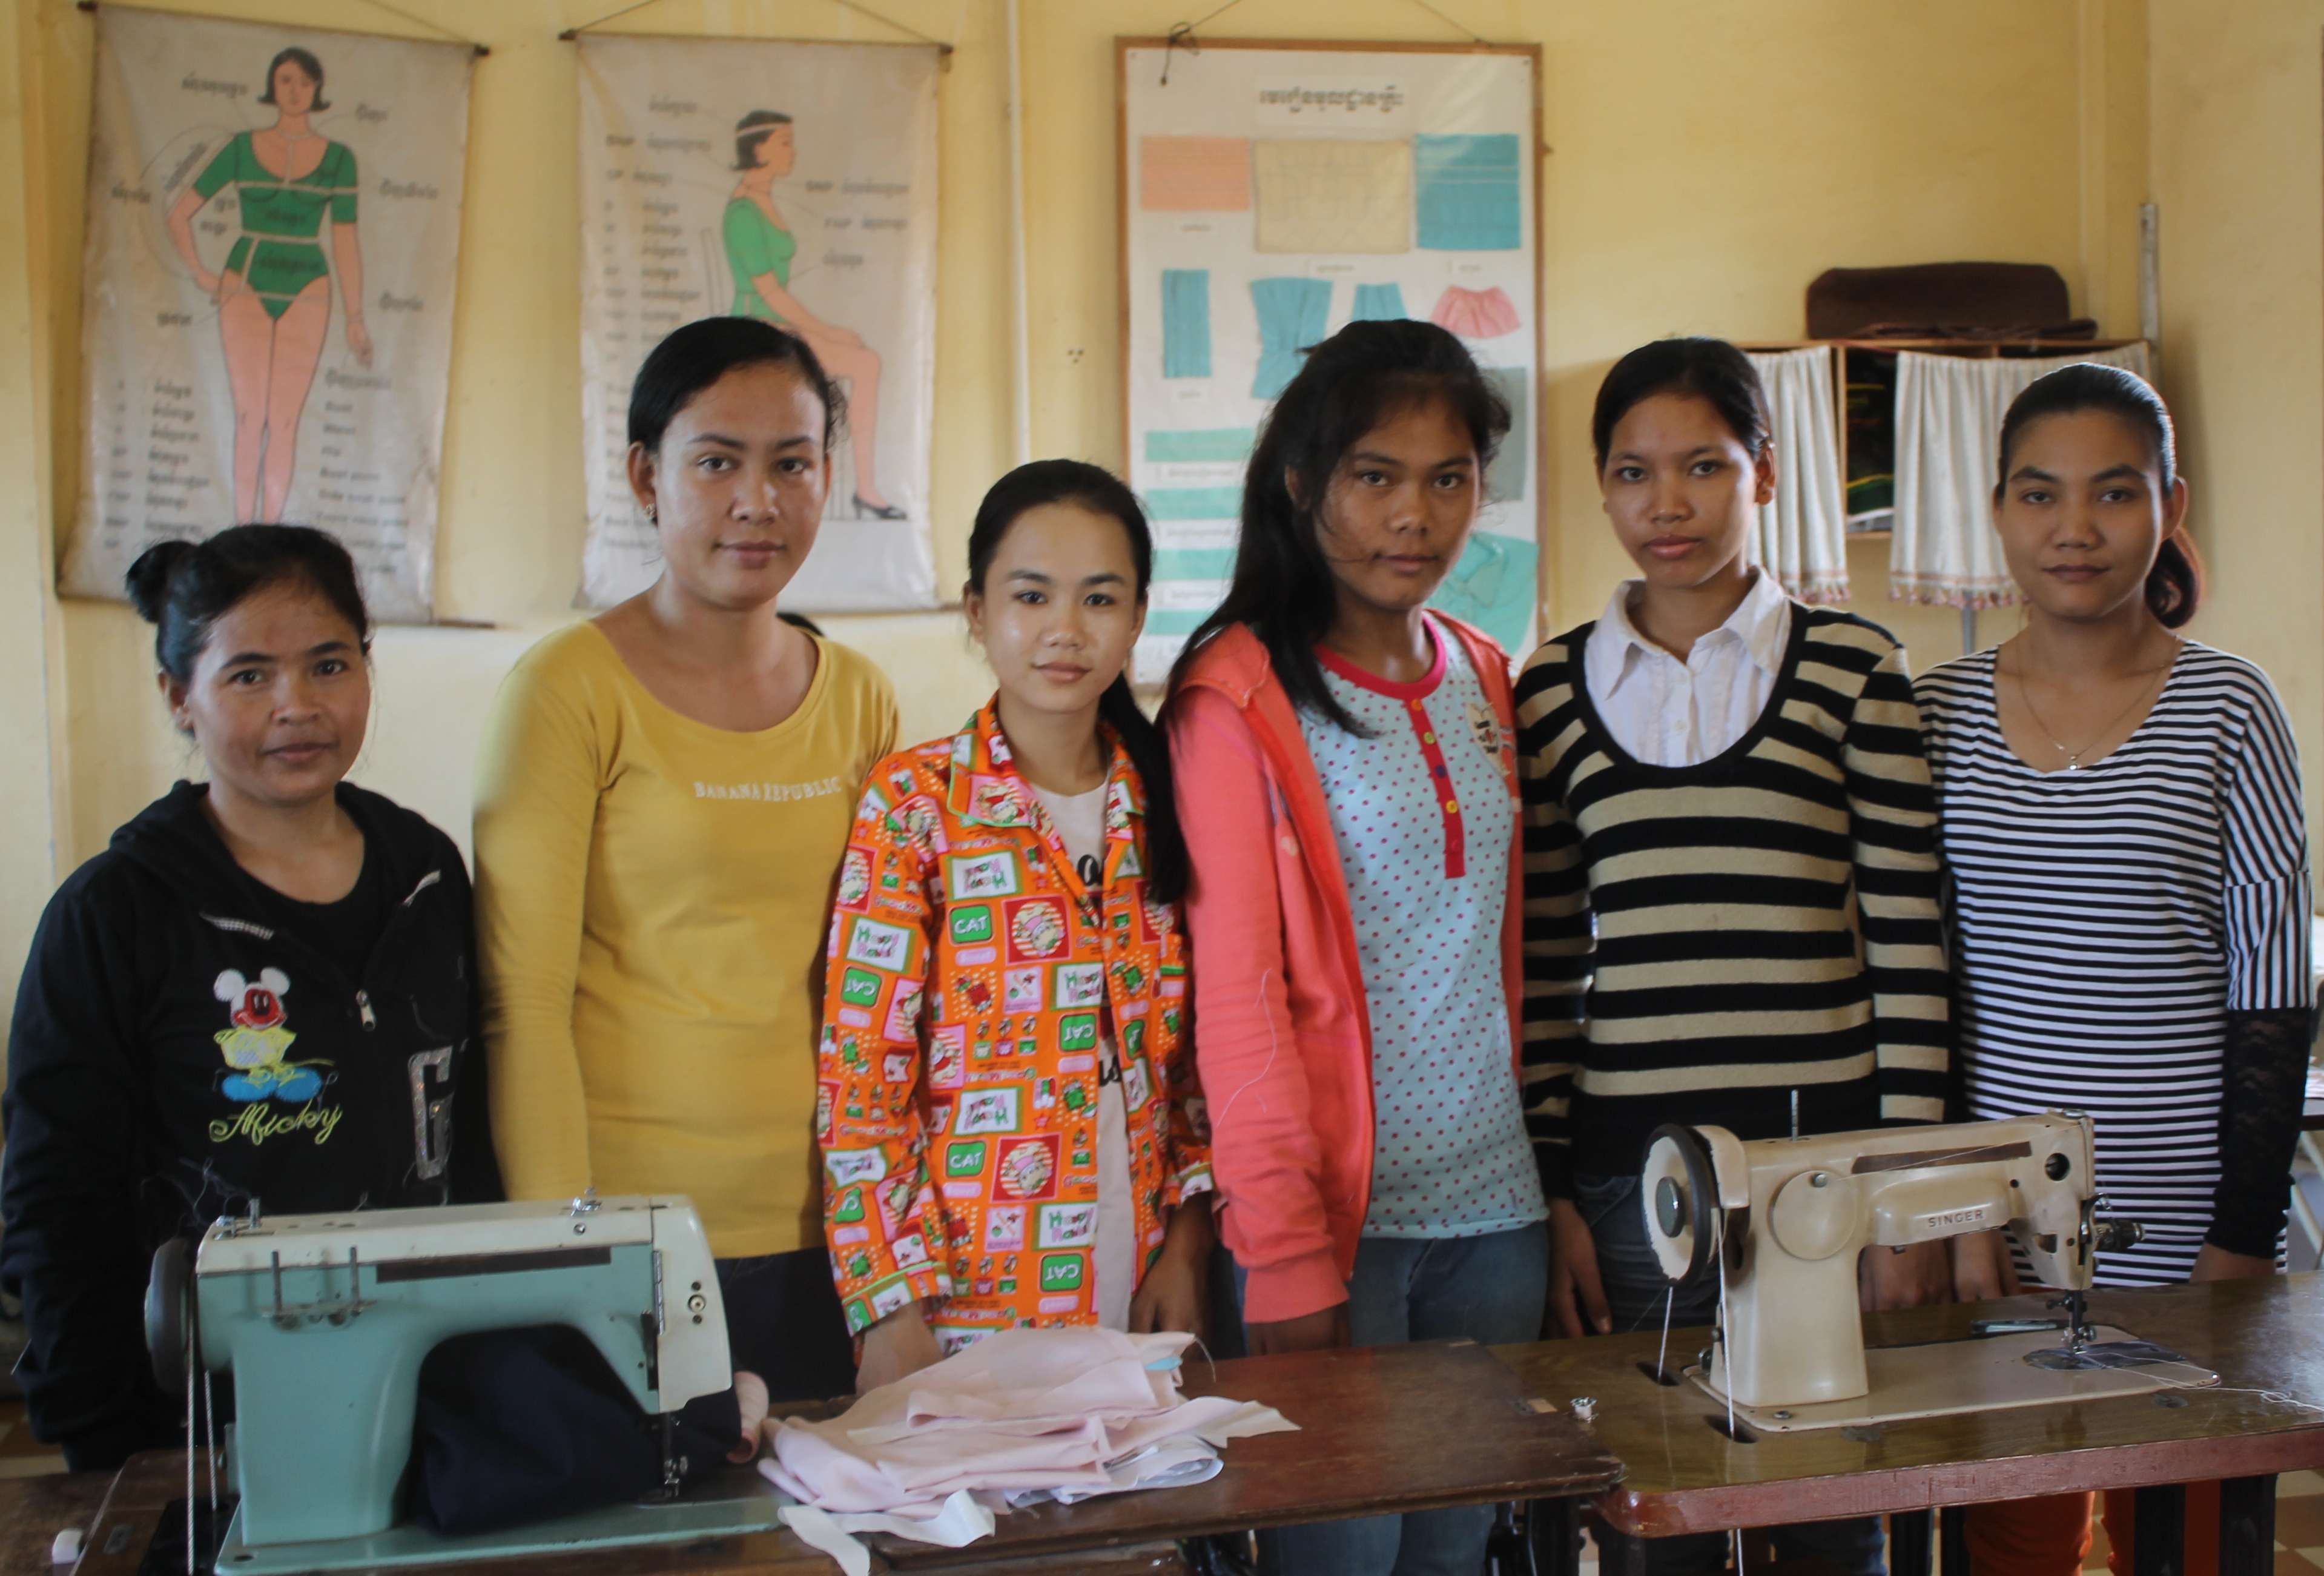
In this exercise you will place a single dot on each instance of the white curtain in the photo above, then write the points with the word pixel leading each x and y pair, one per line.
pixel 1802 535
pixel 1949 411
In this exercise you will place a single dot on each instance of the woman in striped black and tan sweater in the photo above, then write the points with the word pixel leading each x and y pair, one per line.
pixel 1730 875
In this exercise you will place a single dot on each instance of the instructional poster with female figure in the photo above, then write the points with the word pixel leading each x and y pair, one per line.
pixel 1270 195
pixel 793 182
pixel 273 236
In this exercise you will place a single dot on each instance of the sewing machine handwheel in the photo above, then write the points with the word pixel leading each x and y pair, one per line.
pixel 1679 1190
pixel 168 1304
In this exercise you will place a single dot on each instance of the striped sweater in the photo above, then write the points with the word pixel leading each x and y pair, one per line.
pixel 1700 942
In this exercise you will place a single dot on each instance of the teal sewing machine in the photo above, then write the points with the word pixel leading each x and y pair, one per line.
pixel 324 1321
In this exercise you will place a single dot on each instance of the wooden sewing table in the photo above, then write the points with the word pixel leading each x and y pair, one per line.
pixel 1683 1475
pixel 1418 1427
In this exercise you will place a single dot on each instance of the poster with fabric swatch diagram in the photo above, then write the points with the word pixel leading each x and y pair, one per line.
pixel 1270 195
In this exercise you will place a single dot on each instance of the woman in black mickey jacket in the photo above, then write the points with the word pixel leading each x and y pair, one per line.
pixel 264 989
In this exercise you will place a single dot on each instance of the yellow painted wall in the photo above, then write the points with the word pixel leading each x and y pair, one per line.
pixel 31 761
pixel 2238 173
pixel 1709 159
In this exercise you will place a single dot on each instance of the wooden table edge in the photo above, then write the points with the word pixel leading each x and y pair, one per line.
pixel 1064 1539
pixel 1881 1491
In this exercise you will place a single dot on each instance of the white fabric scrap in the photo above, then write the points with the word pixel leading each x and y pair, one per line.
pixel 1176 1463
pixel 1063 1413
pixel 961 1521
pixel 1801 537
pixel 1949 411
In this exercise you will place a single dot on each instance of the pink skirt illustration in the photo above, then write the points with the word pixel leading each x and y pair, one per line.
pixel 1475 314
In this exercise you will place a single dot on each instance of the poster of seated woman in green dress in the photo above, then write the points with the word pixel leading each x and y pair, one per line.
pixel 791 182
pixel 273 240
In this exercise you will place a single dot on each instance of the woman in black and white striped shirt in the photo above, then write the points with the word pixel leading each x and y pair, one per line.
pixel 2121 828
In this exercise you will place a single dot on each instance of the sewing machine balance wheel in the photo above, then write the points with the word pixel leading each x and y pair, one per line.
pixel 169 1312
pixel 1679 1191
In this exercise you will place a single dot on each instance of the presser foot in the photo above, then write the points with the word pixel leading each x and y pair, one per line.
pixel 2077 1305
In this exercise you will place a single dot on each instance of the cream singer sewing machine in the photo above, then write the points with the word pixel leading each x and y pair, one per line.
pixel 324 1321
pixel 1781 1222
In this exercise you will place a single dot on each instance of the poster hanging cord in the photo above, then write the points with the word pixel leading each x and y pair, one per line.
pixel 482 49
pixel 943 49
pixel 1182 37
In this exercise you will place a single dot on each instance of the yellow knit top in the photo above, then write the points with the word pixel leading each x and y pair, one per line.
pixel 651 894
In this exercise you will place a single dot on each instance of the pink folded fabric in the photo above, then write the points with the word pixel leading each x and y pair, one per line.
pixel 1476 314
pixel 1021 1409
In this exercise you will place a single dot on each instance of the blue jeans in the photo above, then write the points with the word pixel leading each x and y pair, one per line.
pixel 1635 1296
pixel 1490 1289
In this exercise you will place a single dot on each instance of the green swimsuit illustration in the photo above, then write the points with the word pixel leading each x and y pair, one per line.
pixel 756 245
pixel 294 192
pixel 760 248
pixel 276 254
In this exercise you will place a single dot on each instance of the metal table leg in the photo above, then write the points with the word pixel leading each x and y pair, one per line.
pixel 1908 1543
pixel 2247 1526
pixel 1952 1539
pixel 2159 1538
pixel 1553 1536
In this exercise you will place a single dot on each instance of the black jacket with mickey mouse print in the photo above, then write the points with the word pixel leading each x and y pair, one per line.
pixel 177 1051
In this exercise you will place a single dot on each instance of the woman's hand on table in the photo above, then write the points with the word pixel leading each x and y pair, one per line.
pixel 751 1399
pixel 898 1345
pixel 1577 1297
pixel 2214 1263
pixel 1920 1275
pixel 1983 1267
pixel 1318 1331
pixel 1176 1292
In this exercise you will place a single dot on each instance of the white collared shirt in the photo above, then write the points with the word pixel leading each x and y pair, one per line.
pixel 1671 713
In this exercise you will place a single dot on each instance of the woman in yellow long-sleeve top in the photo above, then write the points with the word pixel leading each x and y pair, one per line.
pixel 662 804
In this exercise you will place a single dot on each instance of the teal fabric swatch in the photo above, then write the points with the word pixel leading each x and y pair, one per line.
pixel 1177 620
pixel 1504 482
pixel 1467 192
pixel 1194 503
pixel 1379 303
pixel 1185 322
pixel 1492 586
pixel 1193 563
pixel 1232 443
pixel 1293 317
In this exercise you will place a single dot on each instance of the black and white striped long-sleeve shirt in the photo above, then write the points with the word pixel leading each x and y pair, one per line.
pixel 2106 920
pixel 1702 944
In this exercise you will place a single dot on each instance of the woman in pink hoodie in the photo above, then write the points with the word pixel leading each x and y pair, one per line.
pixel 1347 767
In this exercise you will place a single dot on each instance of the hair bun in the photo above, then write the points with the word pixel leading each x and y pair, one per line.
pixel 148 578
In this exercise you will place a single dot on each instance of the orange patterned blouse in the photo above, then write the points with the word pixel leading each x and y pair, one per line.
pixel 974 983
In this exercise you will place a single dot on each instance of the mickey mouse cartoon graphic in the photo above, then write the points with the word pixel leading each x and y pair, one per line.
pixel 254 1046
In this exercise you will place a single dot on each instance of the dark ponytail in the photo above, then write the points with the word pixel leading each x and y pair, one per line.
pixel 1100 492
pixel 1283 587
pixel 183 587
pixel 2174 585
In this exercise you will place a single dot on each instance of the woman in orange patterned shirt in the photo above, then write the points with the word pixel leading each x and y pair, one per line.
pixel 1011 1128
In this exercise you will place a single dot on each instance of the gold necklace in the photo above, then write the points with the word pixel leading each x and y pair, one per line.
pixel 2074 757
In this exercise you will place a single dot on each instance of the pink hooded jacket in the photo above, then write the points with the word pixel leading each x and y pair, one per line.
pixel 1282 1034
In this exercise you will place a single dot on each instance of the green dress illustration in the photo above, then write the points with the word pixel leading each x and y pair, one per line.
pixel 277 254
pixel 755 245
